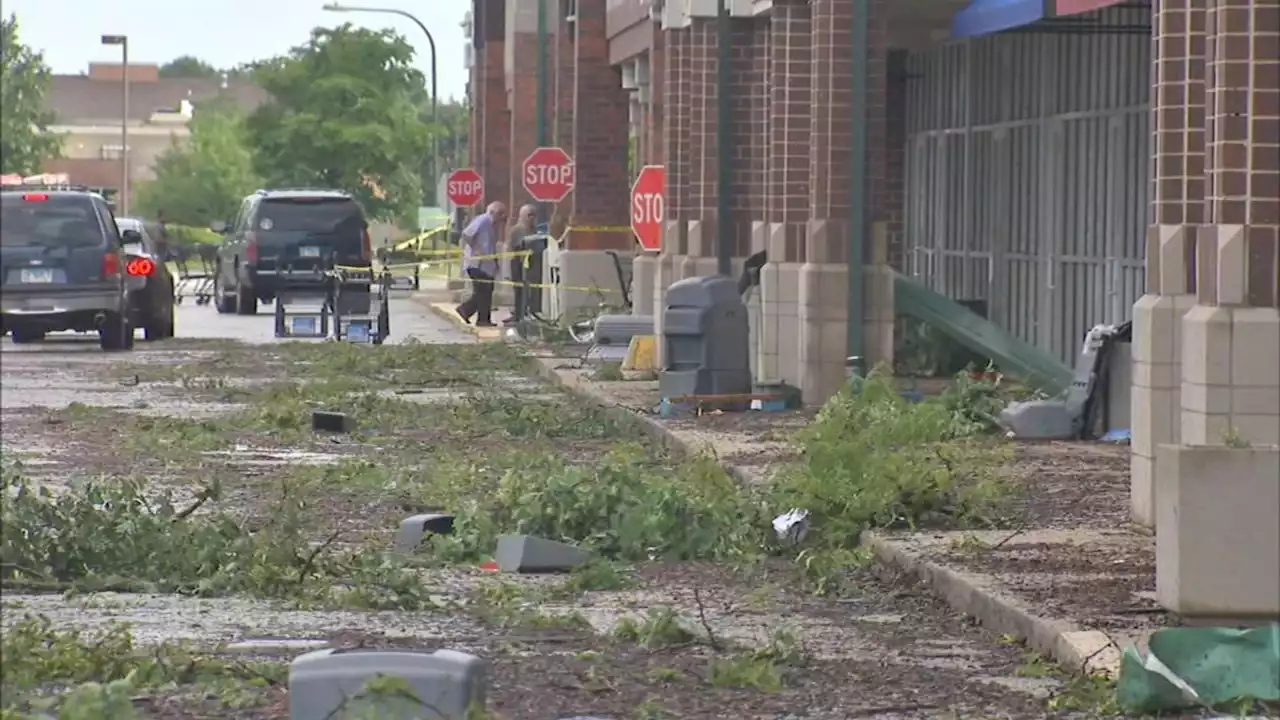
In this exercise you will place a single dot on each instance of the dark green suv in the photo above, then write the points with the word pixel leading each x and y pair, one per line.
pixel 287 233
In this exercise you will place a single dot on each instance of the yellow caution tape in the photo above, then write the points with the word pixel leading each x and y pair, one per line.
pixel 600 228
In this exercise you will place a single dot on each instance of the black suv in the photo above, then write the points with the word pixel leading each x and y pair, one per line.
pixel 63 266
pixel 280 233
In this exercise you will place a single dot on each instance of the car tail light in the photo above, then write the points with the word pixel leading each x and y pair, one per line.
pixel 110 265
pixel 140 267
pixel 366 247
pixel 251 247
pixel 36 197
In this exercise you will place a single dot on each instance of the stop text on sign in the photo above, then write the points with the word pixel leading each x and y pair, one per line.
pixel 540 174
pixel 647 208
pixel 466 188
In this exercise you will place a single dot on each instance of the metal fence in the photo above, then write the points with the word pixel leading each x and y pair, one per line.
pixel 1027 174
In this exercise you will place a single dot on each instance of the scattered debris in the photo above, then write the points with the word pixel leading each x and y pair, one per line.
pixel 530 554
pixel 335 422
pixel 414 529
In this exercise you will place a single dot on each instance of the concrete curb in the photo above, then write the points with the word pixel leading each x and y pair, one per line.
pixel 1073 647
pixel 652 428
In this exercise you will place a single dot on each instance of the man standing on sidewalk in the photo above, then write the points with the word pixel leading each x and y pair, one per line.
pixel 517 241
pixel 479 244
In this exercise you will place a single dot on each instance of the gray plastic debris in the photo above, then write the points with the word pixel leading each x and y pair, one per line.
pixel 792 526
pixel 527 553
pixel 414 529
pixel 325 421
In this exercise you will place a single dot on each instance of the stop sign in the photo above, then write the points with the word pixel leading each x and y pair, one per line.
pixel 548 174
pixel 648 206
pixel 464 187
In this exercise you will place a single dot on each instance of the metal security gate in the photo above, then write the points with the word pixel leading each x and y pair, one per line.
pixel 1027 184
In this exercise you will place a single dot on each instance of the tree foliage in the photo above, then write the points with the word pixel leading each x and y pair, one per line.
pixel 206 178
pixel 343 115
pixel 189 66
pixel 25 142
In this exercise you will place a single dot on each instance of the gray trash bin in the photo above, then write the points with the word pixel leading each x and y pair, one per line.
pixel 445 684
pixel 706 337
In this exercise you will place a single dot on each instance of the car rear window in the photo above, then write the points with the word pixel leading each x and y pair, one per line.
pixel 48 220
pixel 310 214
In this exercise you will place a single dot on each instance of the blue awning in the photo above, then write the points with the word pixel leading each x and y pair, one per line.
pixel 984 17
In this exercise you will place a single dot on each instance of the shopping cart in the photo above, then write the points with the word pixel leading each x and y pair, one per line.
pixel 315 302
pixel 196 263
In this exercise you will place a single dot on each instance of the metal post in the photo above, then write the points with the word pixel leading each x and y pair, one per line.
pixel 724 140
pixel 435 91
pixel 124 127
pixel 522 304
pixel 859 223
pixel 122 197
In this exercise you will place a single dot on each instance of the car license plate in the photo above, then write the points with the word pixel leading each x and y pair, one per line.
pixel 37 275
pixel 309 252
pixel 304 325
pixel 358 332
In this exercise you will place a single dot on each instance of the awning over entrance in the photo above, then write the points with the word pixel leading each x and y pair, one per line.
pixel 984 17
pixel 1075 7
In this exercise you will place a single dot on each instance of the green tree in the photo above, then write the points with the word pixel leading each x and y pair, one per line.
pixel 206 178
pixel 343 115
pixel 188 66
pixel 25 140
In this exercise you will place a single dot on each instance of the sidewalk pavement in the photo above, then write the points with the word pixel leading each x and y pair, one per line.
pixel 1072 577
pixel 443 306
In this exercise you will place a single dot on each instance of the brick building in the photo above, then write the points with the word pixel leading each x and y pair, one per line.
pixel 1009 155
pixel 87 112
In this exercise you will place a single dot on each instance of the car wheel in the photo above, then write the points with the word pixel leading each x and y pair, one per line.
pixel 160 328
pixel 23 337
pixel 223 302
pixel 116 333
pixel 246 301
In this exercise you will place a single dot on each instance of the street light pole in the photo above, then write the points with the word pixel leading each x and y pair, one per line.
pixel 122 204
pixel 435 94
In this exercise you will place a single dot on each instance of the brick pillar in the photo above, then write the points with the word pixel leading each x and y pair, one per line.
pixel 787 198
pixel 823 282
pixel 654 146
pixel 1230 377
pixel 702 143
pixel 895 163
pixel 522 86
pixel 601 197
pixel 677 136
pixel 495 162
pixel 751 105
pixel 790 88
pixel 1177 212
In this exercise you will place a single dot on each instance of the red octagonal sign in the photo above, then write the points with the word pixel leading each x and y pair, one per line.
pixel 648 206
pixel 464 187
pixel 548 174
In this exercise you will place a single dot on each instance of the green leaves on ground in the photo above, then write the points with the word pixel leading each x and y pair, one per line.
pixel 106 669
pixel 25 140
pixel 873 459
pixel 205 178
pixel 119 534
pixel 343 115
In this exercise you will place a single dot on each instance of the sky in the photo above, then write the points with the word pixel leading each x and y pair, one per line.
pixel 225 33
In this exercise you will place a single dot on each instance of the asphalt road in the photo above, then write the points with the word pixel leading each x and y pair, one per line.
pixel 409 319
